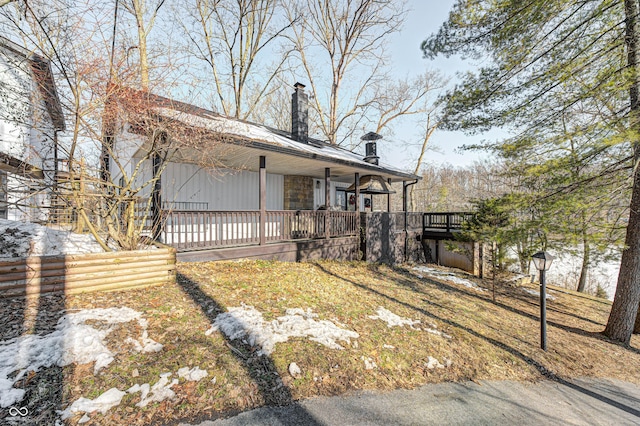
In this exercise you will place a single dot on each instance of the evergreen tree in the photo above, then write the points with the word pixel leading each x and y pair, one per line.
pixel 560 74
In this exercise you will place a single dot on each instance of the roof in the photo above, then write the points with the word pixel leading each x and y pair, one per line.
pixel 43 75
pixel 244 141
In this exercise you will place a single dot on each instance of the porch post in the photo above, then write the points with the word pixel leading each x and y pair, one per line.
pixel 357 193
pixel 156 197
pixel 405 230
pixel 327 202
pixel 262 185
pixel 404 196
pixel 389 197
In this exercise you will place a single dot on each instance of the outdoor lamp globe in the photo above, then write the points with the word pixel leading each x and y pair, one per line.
pixel 542 260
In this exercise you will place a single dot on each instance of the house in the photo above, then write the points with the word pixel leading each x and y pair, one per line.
pixel 30 119
pixel 229 188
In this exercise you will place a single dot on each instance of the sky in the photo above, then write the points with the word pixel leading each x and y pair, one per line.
pixel 425 18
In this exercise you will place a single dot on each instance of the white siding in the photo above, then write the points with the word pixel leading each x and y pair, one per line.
pixel 26 131
pixel 125 146
pixel 15 105
pixel 220 189
pixel 25 199
pixel 26 134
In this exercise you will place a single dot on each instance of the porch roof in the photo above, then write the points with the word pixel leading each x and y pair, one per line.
pixel 240 143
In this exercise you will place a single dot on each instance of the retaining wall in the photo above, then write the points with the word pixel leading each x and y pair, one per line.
pixel 74 274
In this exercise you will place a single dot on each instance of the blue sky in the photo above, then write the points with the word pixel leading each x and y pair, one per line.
pixel 424 19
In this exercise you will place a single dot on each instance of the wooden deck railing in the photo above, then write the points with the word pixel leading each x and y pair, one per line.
pixel 186 229
pixel 445 222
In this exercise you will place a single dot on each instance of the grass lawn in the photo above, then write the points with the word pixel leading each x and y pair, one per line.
pixel 461 335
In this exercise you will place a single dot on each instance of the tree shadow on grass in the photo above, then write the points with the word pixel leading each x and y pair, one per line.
pixel 36 314
pixel 542 370
pixel 553 307
pixel 486 298
pixel 260 368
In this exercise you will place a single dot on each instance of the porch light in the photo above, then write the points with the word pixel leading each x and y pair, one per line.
pixel 542 260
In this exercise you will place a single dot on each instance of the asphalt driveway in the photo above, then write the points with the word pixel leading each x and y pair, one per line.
pixel 549 402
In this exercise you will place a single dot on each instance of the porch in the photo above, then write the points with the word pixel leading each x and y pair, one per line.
pixel 193 230
pixel 286 235
pixel 306 235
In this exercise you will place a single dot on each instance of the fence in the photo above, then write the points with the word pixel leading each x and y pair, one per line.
pixel 210 229
pixel 87 272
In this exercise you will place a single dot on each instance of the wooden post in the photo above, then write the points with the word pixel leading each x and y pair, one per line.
pixel 357 193
pixel 156 197
pixel 263 198
pixel 327 202
pixel 80 219
pixel 389 197
pixel 404 230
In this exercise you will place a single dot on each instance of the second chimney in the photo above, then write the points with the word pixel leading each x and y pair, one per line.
pixel 299 114
pixel 370 147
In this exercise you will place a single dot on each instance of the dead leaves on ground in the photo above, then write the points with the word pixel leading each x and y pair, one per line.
pixel 488 340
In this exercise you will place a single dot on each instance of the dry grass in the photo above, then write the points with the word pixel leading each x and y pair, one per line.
pixel 488 340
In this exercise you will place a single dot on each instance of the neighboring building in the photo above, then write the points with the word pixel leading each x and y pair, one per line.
pixel 30 118
pixel 228 182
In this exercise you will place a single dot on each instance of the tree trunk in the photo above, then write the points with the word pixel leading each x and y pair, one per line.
pixel 636 329
pixel 627 299
pixel 524 261
pixel 582 281
pixel 622 320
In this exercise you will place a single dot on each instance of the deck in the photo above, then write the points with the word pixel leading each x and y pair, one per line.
pixel 194 230
pixel 444 225
pixel 294 235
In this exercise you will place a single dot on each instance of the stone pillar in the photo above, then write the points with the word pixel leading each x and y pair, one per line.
pixel 298 193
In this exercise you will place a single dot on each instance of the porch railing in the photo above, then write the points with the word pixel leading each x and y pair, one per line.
pixel 187 229
pixel 445 222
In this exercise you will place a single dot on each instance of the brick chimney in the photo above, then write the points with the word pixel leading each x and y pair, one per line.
pixel 370 147
pixel 299 114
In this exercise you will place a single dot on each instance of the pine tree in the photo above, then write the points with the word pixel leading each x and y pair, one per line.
pixel 559 73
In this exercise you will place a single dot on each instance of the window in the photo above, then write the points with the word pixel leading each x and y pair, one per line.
pixel 341 199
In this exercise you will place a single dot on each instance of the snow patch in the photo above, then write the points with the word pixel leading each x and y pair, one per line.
pixel 145 344
pixel 295 370
pixel 369 364
pixel 156 393
pixel 245 322
pixel 73 341
pixel 22 239
pixel 192 375
pixel 103 403
pixel 433 363
pixel 392 319
pixel 436 273
pixel 160 391
pixel 537 293
pixel 437 332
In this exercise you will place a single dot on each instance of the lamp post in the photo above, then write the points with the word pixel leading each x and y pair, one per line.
pixel 542 260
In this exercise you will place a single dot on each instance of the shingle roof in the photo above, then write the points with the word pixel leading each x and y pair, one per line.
pixel 263 137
